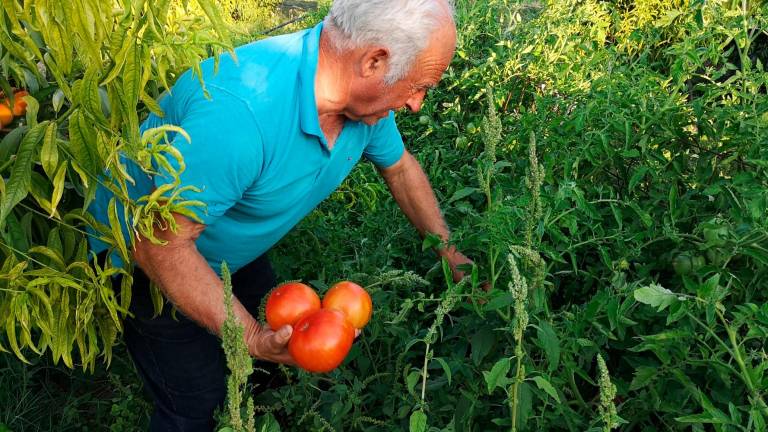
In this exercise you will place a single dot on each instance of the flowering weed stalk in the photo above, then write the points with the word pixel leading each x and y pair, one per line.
pixel 491 135
pixel 239 363
pixel 607 408
pixel 519 290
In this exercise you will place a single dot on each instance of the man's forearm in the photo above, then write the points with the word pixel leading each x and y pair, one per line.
pixel 191 285
pixel 411 189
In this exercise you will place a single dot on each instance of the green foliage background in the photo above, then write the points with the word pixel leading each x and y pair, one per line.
pixel 637 225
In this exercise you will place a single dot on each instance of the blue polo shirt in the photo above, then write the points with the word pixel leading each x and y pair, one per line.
pixel 257 152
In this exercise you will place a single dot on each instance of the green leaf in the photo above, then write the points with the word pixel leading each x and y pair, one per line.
pixel 667 19
pixel 497 376
pixel 19 238
pixel 704 418
pixel 643 376
pixel 81 140
pixel 58 100
pixel 21 178
pixel 637 177
pixel 445 367
pixel 58 187
pixel 431 241
pixel 212 11
pixel 17 50
pixel 644 216
pixel 117 231
pixel 49 154
pixel 655 295
pixel 89 90
pixel 549 341
pixel 268 423
pixel 482 343
pixel 543 384
pixel 10 331
pixel 501 299
pixel 32 108
pixel 462 193
pixel 153 106
pixel 10 142
pixel 411 381
pixel 417 422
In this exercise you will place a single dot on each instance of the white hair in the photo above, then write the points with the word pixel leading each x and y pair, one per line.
pixel 404 27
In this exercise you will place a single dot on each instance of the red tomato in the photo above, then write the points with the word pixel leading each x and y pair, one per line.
pixel 351 299
pixel 321 340
pixel 289 302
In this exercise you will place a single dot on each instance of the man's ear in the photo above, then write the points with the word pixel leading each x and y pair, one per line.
pixel 374 62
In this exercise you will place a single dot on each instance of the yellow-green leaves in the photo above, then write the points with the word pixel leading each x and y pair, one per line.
pixel 213 14
pixel 58 187
pixel 117 232
pixel 49 154
pixel 93 70
pixel 82 139
pixel 89 94
pixel 20 181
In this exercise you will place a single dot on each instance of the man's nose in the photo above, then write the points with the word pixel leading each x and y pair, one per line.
pixel 414 102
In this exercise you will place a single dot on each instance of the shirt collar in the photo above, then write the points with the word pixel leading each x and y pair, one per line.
pixel 308 116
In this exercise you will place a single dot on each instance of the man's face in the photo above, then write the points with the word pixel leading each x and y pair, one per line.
pixel 374 99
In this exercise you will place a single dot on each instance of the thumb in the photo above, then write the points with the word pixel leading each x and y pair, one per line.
pixel 283 334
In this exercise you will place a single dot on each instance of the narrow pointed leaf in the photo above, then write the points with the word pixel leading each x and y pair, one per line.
pixel 20 181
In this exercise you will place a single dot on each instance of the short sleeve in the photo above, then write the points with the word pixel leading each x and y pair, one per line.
pixel 221 158
pixel 386 145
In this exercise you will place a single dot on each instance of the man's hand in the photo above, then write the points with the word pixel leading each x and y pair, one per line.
pixel 265 344
pixel 455 259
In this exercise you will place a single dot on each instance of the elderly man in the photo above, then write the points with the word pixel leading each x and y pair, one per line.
pixel 284 125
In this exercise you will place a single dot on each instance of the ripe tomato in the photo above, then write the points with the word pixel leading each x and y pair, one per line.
pixel 289 302
pixel 321 340
pixel 351 299
pixel 6 116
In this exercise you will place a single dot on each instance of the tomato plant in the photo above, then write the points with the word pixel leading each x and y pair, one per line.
pixel 289 302
pixel 351 299
pixel 321 340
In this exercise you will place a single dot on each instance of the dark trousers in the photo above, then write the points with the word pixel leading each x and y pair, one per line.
pixel 181 364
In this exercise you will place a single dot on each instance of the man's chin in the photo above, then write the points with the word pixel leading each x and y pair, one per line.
pixel 373 119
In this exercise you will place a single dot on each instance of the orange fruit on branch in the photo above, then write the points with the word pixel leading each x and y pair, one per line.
pixel 6 115
pixel 19 104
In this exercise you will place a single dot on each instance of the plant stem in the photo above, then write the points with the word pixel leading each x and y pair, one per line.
pixel 745 375
pixel 575 390
pixel 516 383
pixel 424 376
pixel 492 264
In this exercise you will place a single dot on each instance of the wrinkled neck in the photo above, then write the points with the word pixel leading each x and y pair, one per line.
pixel 333 78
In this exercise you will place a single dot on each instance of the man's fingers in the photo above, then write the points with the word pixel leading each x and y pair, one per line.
pixel 279 339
